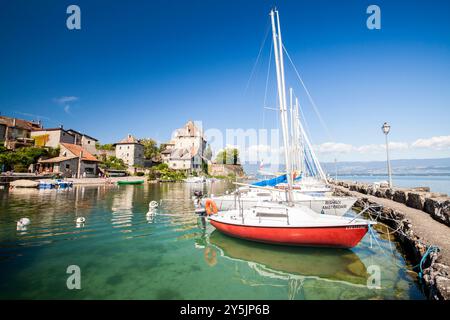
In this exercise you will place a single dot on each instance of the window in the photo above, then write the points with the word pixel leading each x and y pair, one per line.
pixel 89 141
pixel 67 166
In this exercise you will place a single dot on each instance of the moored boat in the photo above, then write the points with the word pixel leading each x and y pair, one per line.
pixel 249 197
pixel 297 226
pixel 133 182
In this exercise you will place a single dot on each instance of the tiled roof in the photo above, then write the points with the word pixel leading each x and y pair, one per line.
pixel 129 139
pixel 72 131
pixel 20 123
pixel 57 159
pixel 76 149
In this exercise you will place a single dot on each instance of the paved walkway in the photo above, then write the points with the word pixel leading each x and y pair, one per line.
pixel 429 231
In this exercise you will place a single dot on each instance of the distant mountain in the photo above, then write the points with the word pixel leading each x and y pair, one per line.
pixel 399 167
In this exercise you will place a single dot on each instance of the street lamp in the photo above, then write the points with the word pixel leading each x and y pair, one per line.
pixel 386 128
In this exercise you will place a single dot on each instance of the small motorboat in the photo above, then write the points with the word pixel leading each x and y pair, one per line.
pixel 296 226
pixel 22 183
pixel 47 184
pixel 63 184
pixel 121 182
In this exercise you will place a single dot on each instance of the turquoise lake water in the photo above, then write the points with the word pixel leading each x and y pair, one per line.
pixel 123 254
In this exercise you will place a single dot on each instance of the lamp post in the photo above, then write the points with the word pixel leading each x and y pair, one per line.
pixel 386 128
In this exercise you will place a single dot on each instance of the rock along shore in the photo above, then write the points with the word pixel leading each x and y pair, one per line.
pixel 422 219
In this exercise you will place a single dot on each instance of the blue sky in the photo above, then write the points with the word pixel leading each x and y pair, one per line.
pixel 145 67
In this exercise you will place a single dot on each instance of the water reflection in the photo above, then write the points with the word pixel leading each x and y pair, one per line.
pixel 293 265
pixel 122 208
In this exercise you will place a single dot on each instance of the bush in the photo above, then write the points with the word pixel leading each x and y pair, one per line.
pixel 20 168
pixel 140 174
pixel 163 172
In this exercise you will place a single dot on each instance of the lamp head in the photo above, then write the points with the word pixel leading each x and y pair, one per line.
pixel 386 128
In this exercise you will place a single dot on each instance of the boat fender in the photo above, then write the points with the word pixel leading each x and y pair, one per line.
pixel 210 206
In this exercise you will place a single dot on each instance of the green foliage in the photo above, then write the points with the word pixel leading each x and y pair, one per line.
pixel 205 168
pixel 162 166
pixel 106 147
pixel 22 158
pixel 228 156
pixel 208 152
pixel 140 174
pixel 150 148
pixel 114 163
pixel 163 172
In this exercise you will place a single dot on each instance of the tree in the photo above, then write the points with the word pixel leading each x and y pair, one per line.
pixel 106 147
pixel 114 163
pixel 151 149
pixel 208 152
pixel 22 158
pixel 228 156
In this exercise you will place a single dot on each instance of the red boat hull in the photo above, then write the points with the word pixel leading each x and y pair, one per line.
pixel 338 237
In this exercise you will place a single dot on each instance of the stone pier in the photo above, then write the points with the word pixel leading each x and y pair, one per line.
pixel 423 219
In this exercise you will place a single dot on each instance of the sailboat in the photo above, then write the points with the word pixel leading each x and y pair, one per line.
pixel 250 196
pixel 287 224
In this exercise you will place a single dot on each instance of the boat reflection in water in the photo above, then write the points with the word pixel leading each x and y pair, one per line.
pixel 336 271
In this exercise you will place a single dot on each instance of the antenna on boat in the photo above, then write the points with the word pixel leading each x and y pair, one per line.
pixel 278 50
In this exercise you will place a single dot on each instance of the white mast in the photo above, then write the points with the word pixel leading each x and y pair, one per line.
pixel 299 140
pixel 278 50
pixel 293 142
pixel 313 154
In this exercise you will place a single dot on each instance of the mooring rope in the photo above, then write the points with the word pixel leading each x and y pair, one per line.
pixel 431 249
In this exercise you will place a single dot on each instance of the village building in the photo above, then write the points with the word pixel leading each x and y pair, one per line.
pixel 52 137
pixel 85 141
pixel 131 151
pixel 186 149
pixel 73 161
pixel 16 133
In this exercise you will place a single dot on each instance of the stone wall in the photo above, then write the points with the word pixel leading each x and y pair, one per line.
pixel 437 205
pixel 225 170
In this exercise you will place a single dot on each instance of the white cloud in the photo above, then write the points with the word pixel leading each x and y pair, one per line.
pixel 64 101
pixel 370 148
pixel 332 147
pixel 437 143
